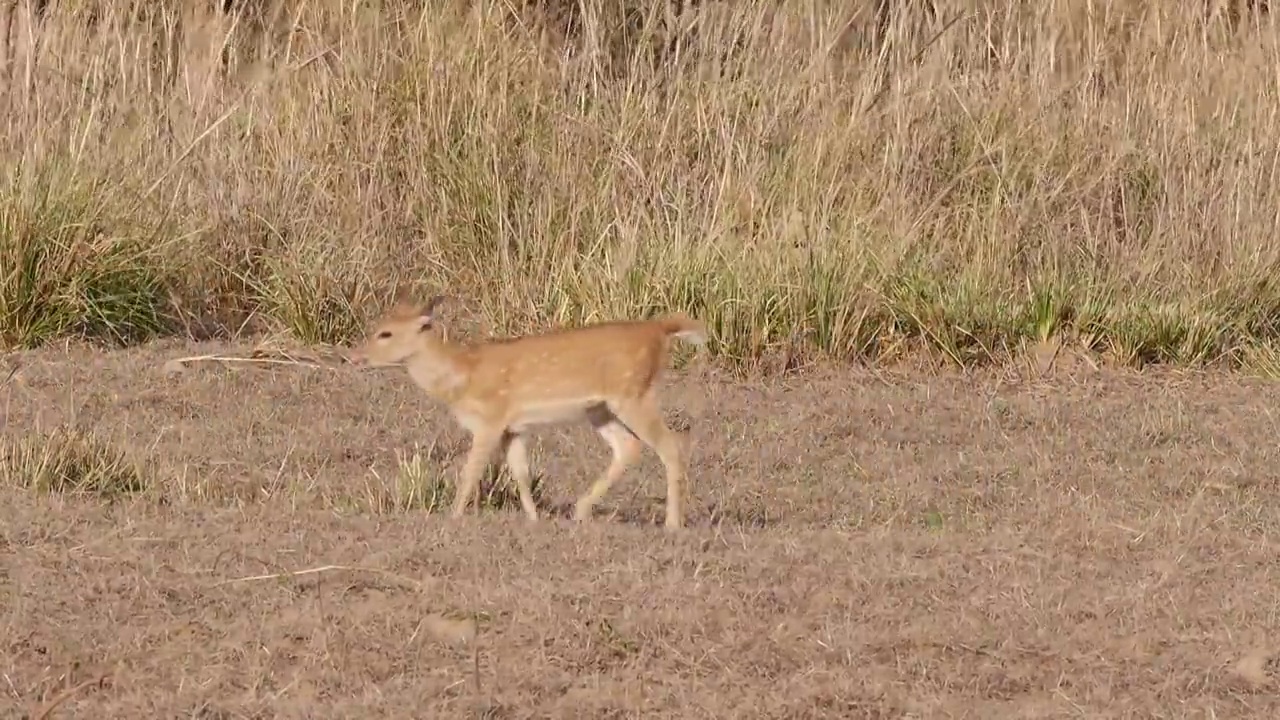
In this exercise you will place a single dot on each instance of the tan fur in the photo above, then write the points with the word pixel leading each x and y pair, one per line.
pixel 605 373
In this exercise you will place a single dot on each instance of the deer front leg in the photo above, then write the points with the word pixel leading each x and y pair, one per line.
pixel 483 445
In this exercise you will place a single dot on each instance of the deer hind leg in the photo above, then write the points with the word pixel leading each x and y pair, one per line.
pixel 626 449
pixel 517 452
pixel 643 417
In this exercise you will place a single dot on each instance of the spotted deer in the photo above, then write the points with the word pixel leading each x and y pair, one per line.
pixel 499 389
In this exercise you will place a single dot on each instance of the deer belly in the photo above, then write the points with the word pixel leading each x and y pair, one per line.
pixel 548 413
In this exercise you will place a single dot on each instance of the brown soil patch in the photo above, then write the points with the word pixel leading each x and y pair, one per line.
pixel 860 546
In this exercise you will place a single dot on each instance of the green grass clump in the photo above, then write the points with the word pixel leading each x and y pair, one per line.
pixel 66 461
pixel 68 267
pixel 815 180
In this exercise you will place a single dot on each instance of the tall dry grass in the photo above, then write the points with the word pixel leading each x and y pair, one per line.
pixel 815 178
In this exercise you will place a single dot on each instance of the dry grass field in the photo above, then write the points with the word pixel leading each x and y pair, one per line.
pixel 985 427
pixel 858 545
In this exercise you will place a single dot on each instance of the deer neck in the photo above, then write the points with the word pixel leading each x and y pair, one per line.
pixel 441 369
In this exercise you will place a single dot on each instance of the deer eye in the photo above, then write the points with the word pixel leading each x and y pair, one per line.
pixel 384 335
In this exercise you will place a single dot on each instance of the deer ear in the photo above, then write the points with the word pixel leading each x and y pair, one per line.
pixel 425 323
pixel 403 309
pixel 429 310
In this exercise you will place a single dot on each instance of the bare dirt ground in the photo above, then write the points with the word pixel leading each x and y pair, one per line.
pixel 859 545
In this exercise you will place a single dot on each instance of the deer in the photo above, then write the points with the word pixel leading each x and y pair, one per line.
pixel 499 389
